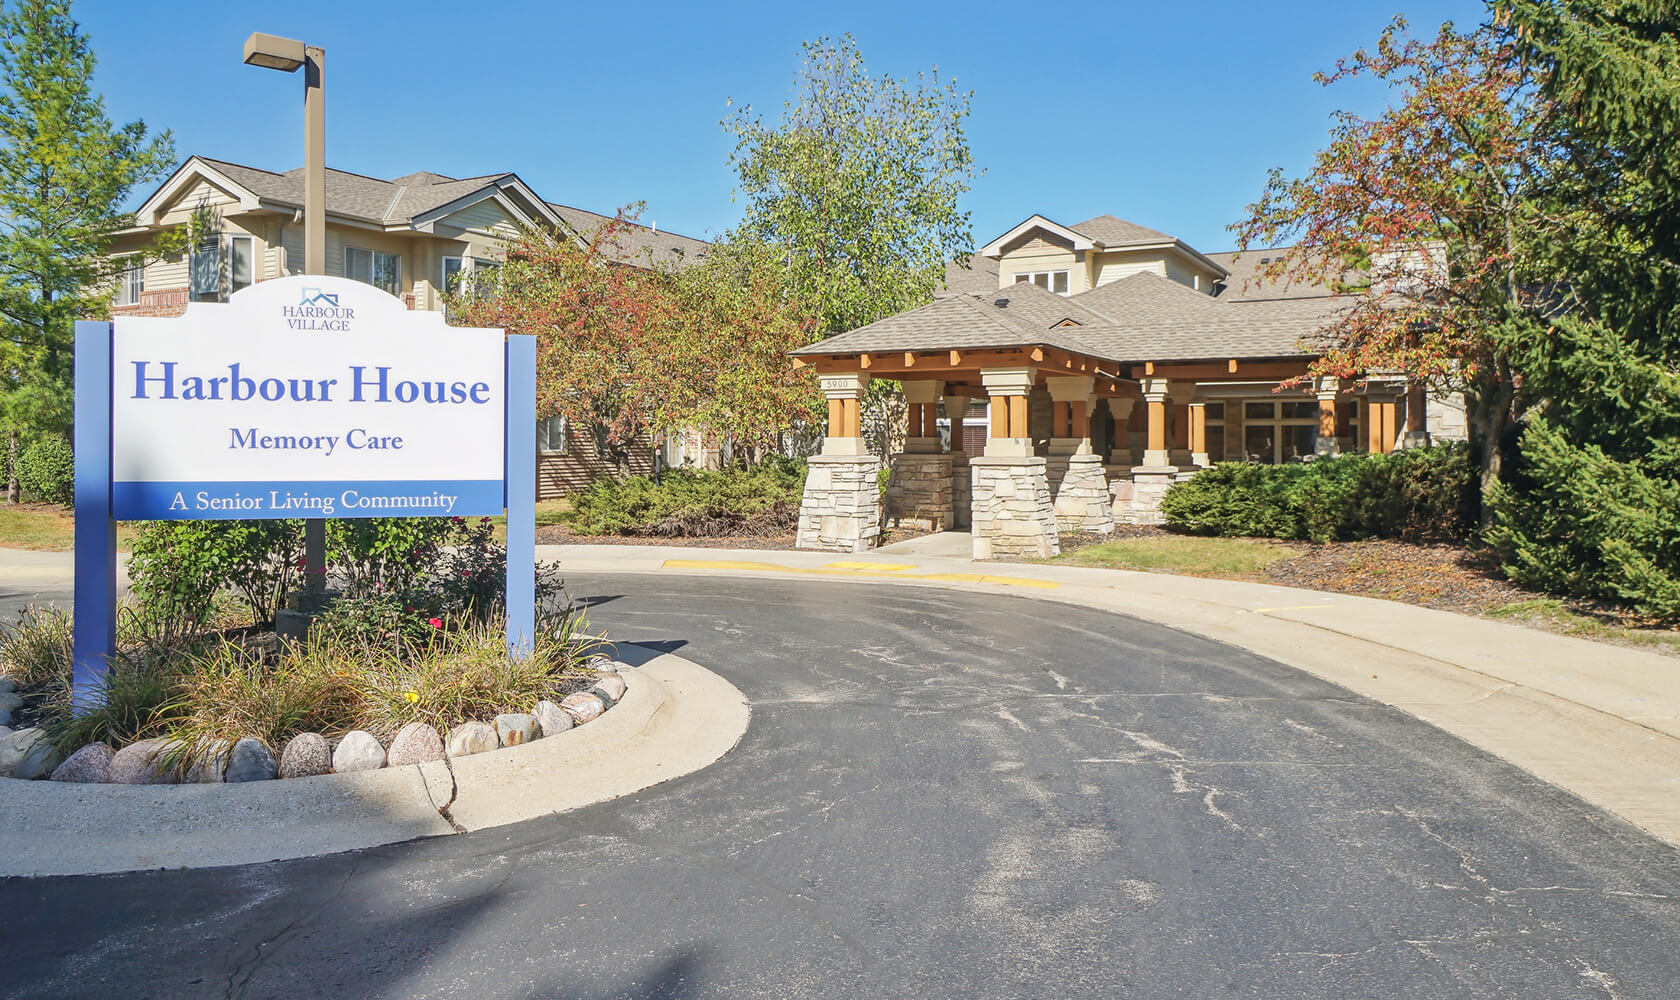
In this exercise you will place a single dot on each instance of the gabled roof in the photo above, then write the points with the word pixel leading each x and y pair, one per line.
pixel 1079 240
pixel 951 322
pixel 1114 232
pixel 411 201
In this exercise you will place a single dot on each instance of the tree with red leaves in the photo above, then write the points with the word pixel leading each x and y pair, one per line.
pixel 1437 204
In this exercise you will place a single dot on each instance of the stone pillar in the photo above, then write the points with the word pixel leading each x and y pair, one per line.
pixel 1198 433
pixel 1077 484
pixel 1417 408
pixel 845 425
pixel 1329 428
pixel 841 508
pixel 1013 513
pixel 1151 479
pixel 962 487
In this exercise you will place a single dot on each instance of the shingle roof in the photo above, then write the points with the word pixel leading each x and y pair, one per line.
pixel 636 244
pixel 1144 317
pixel 1245 283
pixel 1112 231
pixel 977 278
pixel 356 196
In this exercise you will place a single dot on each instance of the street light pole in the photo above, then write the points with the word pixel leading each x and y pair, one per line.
pixel 289 55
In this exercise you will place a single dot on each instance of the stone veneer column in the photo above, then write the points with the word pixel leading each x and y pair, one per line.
pixel 1326 388
pixel 1151 479
pixel 962 487
pixel 919 490
pixel 1077 483
pixel 841 508
pixel 1120 461
pixel 1012 512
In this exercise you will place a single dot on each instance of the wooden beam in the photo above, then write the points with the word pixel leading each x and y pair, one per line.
pixel 799 363
pixel 863 361
pixel 956 358
pixel 909 359
pixel 1038 354
pixel 1231 366
pixel 1149 367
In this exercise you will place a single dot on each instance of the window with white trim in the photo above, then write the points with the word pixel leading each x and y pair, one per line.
pixel 241 262
pixel 1055 281
pixel 551 435
pixel 456 272
pixel 381 270
pixel 131 282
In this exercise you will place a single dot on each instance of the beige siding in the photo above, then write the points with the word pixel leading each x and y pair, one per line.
pixel 1114 266
pixel 201 195
pixel 482 217
pixel 581 464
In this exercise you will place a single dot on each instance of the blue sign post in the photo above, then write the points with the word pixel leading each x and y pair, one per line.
pixel 300 397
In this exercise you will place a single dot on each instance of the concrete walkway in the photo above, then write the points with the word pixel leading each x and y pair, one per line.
pixel 1600 721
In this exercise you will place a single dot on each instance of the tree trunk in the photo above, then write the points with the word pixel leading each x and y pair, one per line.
pixel 1489 417
pixel 14 490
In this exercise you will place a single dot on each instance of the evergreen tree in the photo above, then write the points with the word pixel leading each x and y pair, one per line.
pixel 65 171
pixel 1594 507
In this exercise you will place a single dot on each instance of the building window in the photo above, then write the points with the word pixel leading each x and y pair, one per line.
pixel 240 270
pixel 131 282
pixel 1055 281
pixel 381 270
pixel 204 268
pixel 460 272
pixel 551 435
pixel 1278 431
pixel 1213 423
pixel 453 268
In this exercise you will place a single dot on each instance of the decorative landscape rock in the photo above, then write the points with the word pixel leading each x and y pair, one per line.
pixel 515 728
pixel 10 701
pixel 469 738
pixel 306 754
pixel 600 661
pixel 209 764
pixel 553 719
pixel 91 765
pixel 8 685
pixel 136 764
pixel 612 685
pixel 415 743
pixel 358 751
pixel 5 718
pixel 619 667
pixel 27 755
pixel 583 706
pixel 251 760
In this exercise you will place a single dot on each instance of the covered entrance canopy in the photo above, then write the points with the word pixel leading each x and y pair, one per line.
pixel 1094 403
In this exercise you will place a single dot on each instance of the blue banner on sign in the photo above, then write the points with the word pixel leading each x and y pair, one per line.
pixel 139 501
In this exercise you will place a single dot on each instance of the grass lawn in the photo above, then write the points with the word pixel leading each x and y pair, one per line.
pixel 548 513
pixel 1240 558
pixel 46 528
pixel 1556 616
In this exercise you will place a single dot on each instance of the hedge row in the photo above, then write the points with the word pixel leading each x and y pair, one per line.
pixel 685 503
pixel 1420 495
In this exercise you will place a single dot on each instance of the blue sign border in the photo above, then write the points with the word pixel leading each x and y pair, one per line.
pixel 99 502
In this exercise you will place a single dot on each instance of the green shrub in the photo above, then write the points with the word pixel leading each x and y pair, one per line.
pixel 693 503
pixel 1570 519
pixel 36 649
pixel 1417 495
pixel 177 569
pixel 46 471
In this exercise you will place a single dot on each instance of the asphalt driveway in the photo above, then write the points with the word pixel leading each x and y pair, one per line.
pixel 940 794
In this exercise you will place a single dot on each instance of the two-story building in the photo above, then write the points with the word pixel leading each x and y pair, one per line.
pixel 413 236
pixel 1069 374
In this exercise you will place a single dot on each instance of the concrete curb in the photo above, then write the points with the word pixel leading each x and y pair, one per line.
pixel 1599 721
pixel 676 718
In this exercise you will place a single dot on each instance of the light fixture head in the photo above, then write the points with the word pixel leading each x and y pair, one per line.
pixel 273 52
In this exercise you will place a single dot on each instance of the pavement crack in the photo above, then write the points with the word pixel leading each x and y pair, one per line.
pixel 240 978
pixel 454 789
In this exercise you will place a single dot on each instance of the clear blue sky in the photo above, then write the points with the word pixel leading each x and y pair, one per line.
pixel 1165 114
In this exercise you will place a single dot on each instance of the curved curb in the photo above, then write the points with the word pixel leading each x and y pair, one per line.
pixel 676 718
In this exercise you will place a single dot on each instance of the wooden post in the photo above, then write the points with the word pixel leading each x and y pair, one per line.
pixel 1198 428
pixel 999 408
pixel 930 420
pixel 1017 416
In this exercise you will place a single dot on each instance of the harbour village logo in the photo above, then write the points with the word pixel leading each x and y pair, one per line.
pixel 318 310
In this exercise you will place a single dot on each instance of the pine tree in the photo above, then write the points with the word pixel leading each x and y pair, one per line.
pixel 65 171
pixel 1592 508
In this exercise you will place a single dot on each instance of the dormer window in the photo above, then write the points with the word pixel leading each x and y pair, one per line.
pixel 1055 281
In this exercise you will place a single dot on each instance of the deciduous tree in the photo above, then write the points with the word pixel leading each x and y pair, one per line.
pixel 1439 202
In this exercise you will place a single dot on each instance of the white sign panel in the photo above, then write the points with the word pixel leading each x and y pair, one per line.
pixel 306 396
